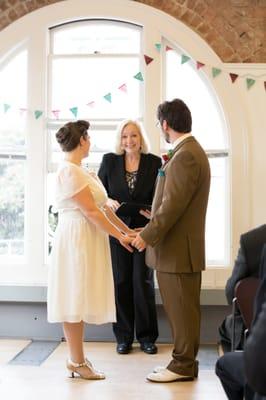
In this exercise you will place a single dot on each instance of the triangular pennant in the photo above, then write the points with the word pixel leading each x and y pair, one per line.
pixel 148 59
pixel 250 82
pixel 123 88
pixel 108 97
pixel 91 104
pixel 216 72
pixel 168 48
pixel 200 65
pixel 265 85
pixel 6 107
pixel 139 77
pixel 22 111
pixel 56 113
pixel 233 77
pixel 38 114
pixel 184 59
pixel 74 111
pixel 158 46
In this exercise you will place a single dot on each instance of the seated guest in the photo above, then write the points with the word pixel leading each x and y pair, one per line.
pixel 246 265
pixel 243 373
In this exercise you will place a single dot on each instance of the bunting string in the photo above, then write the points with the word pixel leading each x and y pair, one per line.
pixel 215 72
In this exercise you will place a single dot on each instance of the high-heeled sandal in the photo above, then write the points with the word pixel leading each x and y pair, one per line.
pixel 84 370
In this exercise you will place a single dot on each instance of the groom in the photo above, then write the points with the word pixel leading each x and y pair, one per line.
pixel 175 238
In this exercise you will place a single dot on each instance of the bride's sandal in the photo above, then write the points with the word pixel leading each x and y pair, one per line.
pixel 85 370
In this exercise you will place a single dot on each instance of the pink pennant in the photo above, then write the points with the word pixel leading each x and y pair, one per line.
pixel 200 65
pixel 168 48
pixel 91 104
pixel 233 77
pixel 123 88
pixel 148 59
pixel 56 113
pixel 22 111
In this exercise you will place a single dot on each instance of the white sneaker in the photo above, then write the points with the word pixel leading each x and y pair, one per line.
pixel 168 376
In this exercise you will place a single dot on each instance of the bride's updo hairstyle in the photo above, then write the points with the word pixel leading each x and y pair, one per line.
pixel 69 135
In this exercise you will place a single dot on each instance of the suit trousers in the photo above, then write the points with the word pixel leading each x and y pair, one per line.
pixel 180 294
pixel 134 296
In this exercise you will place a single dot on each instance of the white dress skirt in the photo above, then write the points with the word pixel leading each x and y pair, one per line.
pixel 80 281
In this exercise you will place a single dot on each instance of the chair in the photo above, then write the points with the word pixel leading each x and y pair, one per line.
pixel 245 292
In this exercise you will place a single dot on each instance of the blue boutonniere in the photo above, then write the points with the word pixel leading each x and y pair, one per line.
pixel 161 172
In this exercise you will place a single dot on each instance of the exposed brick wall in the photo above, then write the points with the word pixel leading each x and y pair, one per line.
pixel 235 29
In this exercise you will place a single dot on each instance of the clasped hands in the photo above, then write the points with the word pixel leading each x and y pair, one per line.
pixel 133 238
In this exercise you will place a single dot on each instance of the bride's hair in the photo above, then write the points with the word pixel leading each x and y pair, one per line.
pixel 68 136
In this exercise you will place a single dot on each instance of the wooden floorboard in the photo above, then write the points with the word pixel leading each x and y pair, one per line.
pixel 125 377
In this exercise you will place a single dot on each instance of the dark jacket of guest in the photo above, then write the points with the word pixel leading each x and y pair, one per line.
pixel 112 174
pixel 255 349
pixel 247 264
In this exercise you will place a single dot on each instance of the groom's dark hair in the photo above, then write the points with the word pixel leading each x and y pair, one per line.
pixel 177 114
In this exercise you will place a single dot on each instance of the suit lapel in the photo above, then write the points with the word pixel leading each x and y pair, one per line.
pixel 121 174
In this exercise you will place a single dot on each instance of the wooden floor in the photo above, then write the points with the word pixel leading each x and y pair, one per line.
pixel 125 377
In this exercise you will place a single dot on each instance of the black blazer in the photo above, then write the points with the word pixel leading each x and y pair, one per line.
pixel 247 262
pixel 255 349
pixel 112 174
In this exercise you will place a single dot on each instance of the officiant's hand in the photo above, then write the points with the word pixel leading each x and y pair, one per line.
pixel 145 213
pixel 113 204
pixel 139 243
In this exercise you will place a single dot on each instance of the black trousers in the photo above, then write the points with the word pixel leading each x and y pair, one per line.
pixel 230 370
pixel 134 296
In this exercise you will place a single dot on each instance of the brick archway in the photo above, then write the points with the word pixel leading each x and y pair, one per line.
pixel 235 29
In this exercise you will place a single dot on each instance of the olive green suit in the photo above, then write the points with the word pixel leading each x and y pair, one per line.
pixel 176 246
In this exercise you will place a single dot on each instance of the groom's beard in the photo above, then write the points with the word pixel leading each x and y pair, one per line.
pixel 166 137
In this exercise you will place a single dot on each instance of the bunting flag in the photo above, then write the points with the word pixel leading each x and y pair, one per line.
pixel 216 72
pixel 200 65
pixel 139 77
pixel 56 113
pixel 147 59
pixel 91 104
pixel 74 111
pixel 158 46
pixel 233 77
pixel 184 59
pixel 168 48
pixel 108 97
pixel 6 107
pixel 38 114
pixel 250 82
pixel 123 88
pixel 22 111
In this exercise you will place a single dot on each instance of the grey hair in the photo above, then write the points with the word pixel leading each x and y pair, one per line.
pixel 145 145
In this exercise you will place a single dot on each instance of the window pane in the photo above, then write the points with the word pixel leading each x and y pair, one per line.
pixel 185 82
pixel 96 37
pixel 79 81
pixel 13 83
pixel 12 176
pixel 217 227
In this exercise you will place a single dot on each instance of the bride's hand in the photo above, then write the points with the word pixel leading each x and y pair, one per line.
pixel 113 204
pixel 125 241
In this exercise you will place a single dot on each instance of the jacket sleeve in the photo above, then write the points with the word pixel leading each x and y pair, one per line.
pixel 181 182
pixel 102 173
pixel 255 354
pixel 240 271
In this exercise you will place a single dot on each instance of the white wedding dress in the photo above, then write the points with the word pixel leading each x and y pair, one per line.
pixel 80 282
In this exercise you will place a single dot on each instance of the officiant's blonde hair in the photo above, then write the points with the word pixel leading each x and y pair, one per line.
pixel 145 146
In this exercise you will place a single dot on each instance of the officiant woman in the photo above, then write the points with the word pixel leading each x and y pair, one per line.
pixel 129 175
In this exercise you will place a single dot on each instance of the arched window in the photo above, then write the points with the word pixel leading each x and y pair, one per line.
pixel 95 68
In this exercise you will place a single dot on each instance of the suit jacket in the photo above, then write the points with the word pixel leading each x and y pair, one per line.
pixel 248 259
pixel 176 231
pixel 255 349
pixel 112 174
